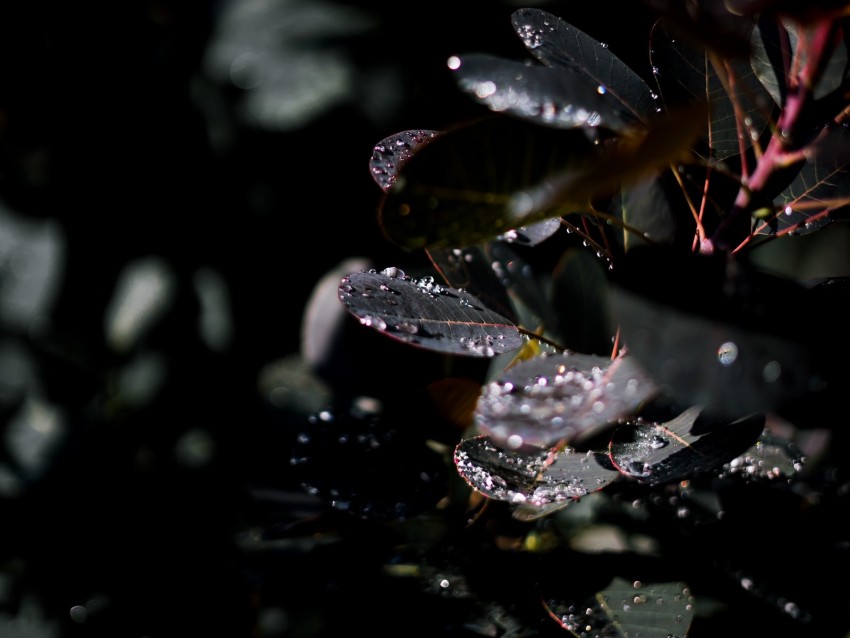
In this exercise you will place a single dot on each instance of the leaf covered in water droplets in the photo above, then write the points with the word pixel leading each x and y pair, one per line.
pixel 566 49
pixel 422 313
pixel 627 608
pixel 560 397
pixel 662 453
pixel 534 477
pixel 391 153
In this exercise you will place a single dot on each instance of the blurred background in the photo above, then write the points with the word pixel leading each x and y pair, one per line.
pixel 177 179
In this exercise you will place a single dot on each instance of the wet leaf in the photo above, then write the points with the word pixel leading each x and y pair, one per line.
pixel 819 190
pixel 673 451
pixel 461 189
pixel 707 329
pixel 627 608
pixel 533 234
pixel 739 106
pixel 564 48
pixel 558 97
pixel 560 397
pixel 652 610
pixel 770 458
pixel 539 479
pixel 422 313
pixel 497 275
pixel 485 179
pixel 392 153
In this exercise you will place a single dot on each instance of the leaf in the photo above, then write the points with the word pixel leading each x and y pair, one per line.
pixel 537 478
pixel 495 274
pixel 627 608
pixel 647 213
pixel 560 397
pixel 770 458
pixel 560 98
pixel 820 188
pixel 459 189
pixel 732 97
pixel 652 610
pixel 565 48
pixel 392 153
pixel 776 46
pixel 498 174
pixel 424 314
pixel 533 234
pixel 714 332
pixel 580 290
pixel 672 451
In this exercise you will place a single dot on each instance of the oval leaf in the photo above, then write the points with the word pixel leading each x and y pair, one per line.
pixel 668 452
pixel 562 46
pixel 391 153
pixel 560 98
pixel 560 397
pixel 425 314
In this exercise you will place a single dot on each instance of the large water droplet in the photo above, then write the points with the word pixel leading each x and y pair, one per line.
pixel 727 353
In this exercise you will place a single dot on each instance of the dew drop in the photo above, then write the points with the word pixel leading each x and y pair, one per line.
pixel 727 353
pixel 656 442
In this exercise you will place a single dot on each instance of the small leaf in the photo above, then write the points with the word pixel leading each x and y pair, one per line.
pixel 424 314
pixel 654 454
pixel 565 397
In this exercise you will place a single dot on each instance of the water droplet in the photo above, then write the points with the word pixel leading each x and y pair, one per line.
pixel 656 441
pixel 601 89
pixel 771 371
pixel 727 353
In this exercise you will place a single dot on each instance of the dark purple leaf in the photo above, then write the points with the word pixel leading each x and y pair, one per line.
pixel 647 213
pixel 559 97
pixel 771 458
pixel 668 452
pixel 391 154
pixel 819 189
pixel 688 73
pixel 708 23
pixel 537 478
pixel 565 48
pixel 422 313
pixel 627 608
pixel 494 273
pixel 560 397
pixel 580 290
pixel 466 186
pixel 716 332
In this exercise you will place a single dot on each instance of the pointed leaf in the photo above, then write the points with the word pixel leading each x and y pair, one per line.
pixel 562 46
pixel 427 315
pixel 771 458
pixel 669 452
pixel 533 234
pixel 565 397
pixel 647 213
pixel 558 97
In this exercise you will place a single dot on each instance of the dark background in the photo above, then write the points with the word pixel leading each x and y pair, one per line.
pixel 216 154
